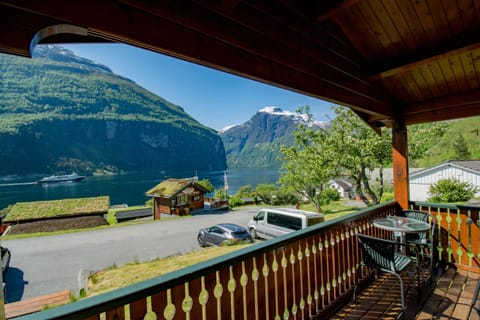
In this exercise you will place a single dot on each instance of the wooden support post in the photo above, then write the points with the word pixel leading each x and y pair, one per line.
pixel 400 164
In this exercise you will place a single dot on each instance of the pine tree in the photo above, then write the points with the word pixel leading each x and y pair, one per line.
pixel 460 148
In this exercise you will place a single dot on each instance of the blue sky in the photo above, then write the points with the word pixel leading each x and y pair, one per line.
pixel 216 99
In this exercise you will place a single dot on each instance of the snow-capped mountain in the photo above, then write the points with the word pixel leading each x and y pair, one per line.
pixel 256 143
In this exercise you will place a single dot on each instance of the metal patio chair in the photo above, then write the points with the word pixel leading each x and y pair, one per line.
pixel 381 254
pixel 424 241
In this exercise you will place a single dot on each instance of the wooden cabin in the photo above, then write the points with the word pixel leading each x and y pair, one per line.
pixel 177 196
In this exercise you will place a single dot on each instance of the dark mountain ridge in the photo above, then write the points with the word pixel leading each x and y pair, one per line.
pixel 256 143
pixel 62 112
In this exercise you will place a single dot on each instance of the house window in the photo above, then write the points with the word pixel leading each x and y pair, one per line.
pixel 196 198
pixel 182 199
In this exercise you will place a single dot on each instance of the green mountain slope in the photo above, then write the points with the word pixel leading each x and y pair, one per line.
pixel 60 111
pixel 256 143
pixel 443 141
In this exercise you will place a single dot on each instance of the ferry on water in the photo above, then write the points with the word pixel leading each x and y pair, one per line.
pixel 62 178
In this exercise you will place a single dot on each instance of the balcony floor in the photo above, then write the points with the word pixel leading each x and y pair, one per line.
pixel 449 298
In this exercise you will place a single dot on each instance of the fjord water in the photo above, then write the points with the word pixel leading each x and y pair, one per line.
pixel 128 188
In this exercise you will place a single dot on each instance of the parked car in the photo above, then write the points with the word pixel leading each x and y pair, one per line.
pixel 274 222
pixel 223 234
pixel 5 258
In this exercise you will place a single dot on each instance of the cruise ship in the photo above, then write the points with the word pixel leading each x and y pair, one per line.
pixel 62 178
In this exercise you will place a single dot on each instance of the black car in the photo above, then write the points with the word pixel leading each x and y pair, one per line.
pixel 223 234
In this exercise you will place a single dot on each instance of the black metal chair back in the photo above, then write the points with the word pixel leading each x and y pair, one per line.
pixel 423 239
pixel 381 254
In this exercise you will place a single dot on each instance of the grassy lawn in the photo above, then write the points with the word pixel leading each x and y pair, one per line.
pixel 333 210
pixel 118 277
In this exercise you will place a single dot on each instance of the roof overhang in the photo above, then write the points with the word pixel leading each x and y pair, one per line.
pixel 390 61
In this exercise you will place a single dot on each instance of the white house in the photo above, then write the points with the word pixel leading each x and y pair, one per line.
pixel 463 170
pixel 343 186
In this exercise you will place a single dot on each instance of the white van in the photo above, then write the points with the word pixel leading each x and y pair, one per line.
pixel 271 223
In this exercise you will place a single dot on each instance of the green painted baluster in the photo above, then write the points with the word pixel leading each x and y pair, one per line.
pixel 292 261
pixel 275 270
pixel 218 293
pixel 341 275
pixel 309 277
pixel 470 254
pixel 300 258
pixel 243 283
pixel 449 244
pixel 329 271
pixel 334 244
pixel 203 298
pixel 322 273
pixel 284 264
pixel 169 312
pixel 232 285
pixel 187 303
pixel 439 233
pixel 350 273
pixel 150 315
pixel 459 231
pixel 266 272
pixel 316 293
pixel 255 277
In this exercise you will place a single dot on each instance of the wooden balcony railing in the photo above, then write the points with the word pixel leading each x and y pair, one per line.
pixel 305 274
pixel 301 275
pixel 458 233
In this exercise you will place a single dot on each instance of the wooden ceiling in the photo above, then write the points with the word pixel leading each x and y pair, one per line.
pixel 389 60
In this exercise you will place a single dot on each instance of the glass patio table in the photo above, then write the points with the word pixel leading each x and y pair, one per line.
pixel 401 225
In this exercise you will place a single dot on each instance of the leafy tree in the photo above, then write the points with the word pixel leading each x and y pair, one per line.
pixel 307 167
pixel 460 148
pixel 206 184
pixel 451 190
pixel 266 192
pixel 245 191
pixel 220 194
pixel 357 149
pixel 349 147
pixel 421 137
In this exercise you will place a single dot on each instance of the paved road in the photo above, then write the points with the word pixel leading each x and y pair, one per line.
pixel 49 264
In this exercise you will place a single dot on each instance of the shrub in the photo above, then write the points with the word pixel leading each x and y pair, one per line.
pixel 387 196
pixel 149 203
pixel 330 194
pixel 451 190
pixel 235 202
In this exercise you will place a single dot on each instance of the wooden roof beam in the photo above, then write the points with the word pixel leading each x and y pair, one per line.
pixel 194 17
pixel 332 9
pixel 144 29
pixel 463 43
pixel 452 107
pixel 463 111
pixel 448 102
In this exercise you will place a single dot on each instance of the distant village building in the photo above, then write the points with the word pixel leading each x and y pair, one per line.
pixel 344 188
pixel 462 170
pixel 177 196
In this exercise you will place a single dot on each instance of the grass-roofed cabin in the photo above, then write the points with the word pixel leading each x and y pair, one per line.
pixel 177 196
pixel 54 215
